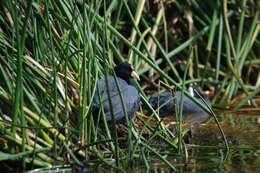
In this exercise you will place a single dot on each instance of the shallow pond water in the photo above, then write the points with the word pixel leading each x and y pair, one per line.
pixel 206 151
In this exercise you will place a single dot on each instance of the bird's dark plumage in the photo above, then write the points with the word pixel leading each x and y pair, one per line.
pixel 164 101
pixel 192 113
pixel 131 99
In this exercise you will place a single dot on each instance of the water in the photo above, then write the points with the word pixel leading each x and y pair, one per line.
pixel 206 151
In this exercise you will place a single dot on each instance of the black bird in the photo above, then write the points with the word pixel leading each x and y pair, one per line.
pixel 130 96
pixel 192 113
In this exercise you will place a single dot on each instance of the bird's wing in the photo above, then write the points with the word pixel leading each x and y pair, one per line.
pixel 102 89
pixel 129 93
pixel 132 102
pixel 189 106
pixel 130 99
pixel 164 101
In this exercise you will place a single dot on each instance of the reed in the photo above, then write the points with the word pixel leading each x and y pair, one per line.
pixel 52 53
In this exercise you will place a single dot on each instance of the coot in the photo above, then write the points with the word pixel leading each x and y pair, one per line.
pixel 192 113
pixel 124 74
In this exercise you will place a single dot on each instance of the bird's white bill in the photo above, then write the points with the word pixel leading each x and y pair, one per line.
pixel 135 75
pixel 191 91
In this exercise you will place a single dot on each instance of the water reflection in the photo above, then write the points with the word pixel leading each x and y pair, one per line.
pixel 242 132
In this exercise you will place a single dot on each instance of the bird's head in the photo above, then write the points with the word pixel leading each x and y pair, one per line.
pixel 126 71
